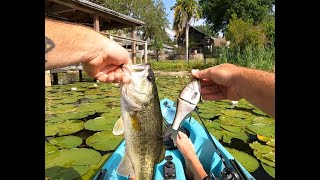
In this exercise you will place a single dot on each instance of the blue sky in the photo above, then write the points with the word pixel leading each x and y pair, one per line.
pixel 168 4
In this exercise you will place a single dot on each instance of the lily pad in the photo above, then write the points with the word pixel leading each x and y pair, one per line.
pixel 71 115
pixel 270 170
pixel 261 148
pixel 236 113
pixel 258 155
pixel 217 134
pixel 272 143
pixel 267 130
pixel 263 120
pixel 70 127
pixel 248 161
pixel 51 129
pixel 269 156
pixel 49 148
pixel 104 141
pixel 100 124
pixel 233 129
pixel 64 173
pixel 66 141
pixel 258 111
pixel 227 136
pixel 72 157
pixel 97 107
pixel 231 121
pixel 213 125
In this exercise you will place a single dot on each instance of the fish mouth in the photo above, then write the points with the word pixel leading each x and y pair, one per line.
pixel 137 71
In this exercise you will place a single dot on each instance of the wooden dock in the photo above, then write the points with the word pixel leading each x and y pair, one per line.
pixel 53 74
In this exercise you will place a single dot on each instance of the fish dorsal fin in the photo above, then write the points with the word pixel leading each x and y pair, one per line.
pixel 125 167
pixel 118 127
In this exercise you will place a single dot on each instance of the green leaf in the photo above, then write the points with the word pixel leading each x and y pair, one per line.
pixel 65 173
pixel 66 141
pixel 261 148
pixel 267 130
pixel 270 170
pixel 49 148
pixel 70 127
pixel 100 123
pixel 51 129
pixel 72 157
pixel 104 141
pixel 272 142
pixel 246 160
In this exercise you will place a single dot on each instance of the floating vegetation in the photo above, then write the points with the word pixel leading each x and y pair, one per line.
pixel 66 141
pixel 101 123
pixel 104 141
pixel 93 108
pixel 248 161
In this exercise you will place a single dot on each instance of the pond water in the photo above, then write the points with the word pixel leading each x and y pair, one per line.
pixel 80 117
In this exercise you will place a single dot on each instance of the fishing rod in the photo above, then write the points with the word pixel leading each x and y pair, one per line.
pixel 227 174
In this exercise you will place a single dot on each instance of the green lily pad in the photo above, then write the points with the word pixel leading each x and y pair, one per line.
pixel 236 113
pixel 272 143
pixel 100 124
pixel 217 134
pixel 72 157
pixel 267 130
pixel 230 121
pixel 104 141
pixel 258 111
pixel 234 129
pixel 49 148
pixel 213 125
pixel 66 141
pixel 51 129
pixel 227 136
pixel 246 160
pixel 261 148
pixel 97 107
pixel 270 170
pixel 258 155
pixel 70 127
pixel 269 156
pixel 263 120
pixel 71 115
pixel 64 173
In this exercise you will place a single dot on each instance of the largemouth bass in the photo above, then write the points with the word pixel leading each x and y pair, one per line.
pixel 143 124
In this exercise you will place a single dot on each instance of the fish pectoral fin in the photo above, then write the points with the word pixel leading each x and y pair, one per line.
pixel 125 167
pixel 118 127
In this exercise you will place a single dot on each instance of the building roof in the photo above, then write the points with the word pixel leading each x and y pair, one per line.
pixel 81 11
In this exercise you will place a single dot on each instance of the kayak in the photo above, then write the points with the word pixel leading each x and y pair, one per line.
pixel 172 167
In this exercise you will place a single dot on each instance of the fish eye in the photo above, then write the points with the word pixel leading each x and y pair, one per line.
pixel 149 78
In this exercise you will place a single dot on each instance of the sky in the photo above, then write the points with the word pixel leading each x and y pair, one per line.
pixel 168 4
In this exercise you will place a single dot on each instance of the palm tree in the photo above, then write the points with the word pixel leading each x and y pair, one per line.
pixel 184 12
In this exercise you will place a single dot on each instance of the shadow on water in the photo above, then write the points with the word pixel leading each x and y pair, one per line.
pixel 61 173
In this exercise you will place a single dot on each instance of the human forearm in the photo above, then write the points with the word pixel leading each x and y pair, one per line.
pixel 68 44
pixel 196 169
pixel 258 87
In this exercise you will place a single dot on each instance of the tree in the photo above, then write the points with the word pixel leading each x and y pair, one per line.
pixel 218 12
pixel 184 12
pixel 152 12
pixel 206 29
pixel 243 33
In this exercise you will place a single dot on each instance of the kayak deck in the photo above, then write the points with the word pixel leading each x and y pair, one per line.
pixel 204 148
